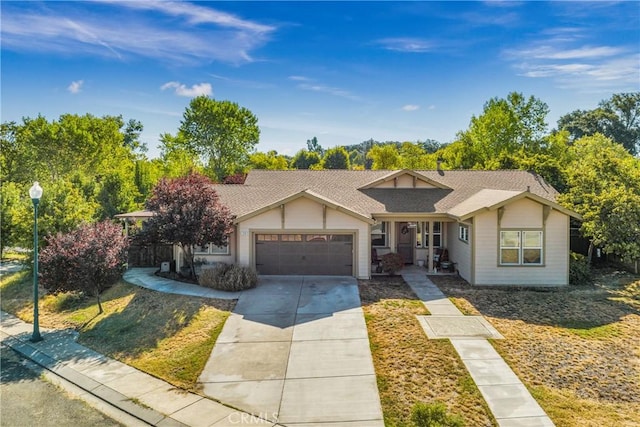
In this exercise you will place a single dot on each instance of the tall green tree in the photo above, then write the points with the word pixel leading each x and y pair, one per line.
pixel 313 146
pixel 14 215
pixel 504 127
pixel 336 158
pixel 617 118
pixel 604 187
pixel 83 163
pixel 221 132
pixel 270 160
pixel 385 157
pixel 413 156
pixel 305 160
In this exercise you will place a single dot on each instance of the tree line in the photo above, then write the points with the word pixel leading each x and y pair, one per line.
pixel 94 167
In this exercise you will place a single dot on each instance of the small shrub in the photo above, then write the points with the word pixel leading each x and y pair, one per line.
pixel 434 415
pixel 579 270
pixel 62 301
pixel 392 263
pixel 229 277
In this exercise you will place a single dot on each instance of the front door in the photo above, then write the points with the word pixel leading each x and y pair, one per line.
pixel 405 240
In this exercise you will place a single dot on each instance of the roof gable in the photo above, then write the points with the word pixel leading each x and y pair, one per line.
pixel 404 178
pixel 487 199
pixel 308 194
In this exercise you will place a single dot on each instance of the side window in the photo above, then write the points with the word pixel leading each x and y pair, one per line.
pixel 379 234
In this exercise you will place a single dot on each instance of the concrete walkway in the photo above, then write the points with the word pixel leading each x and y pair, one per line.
pixel 296 351
pixel 145 277
pixel 132 397
pixel 508 399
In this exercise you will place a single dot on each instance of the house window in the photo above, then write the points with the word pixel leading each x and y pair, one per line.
pixel 211 249
pixel 218 250
pixel 419 235
pixel 379 234
pixel 463 233
pixel 267 237
pixel 291 237
pixel 437 234
pixel 521 247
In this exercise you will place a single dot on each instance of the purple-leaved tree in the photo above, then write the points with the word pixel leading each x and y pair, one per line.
pixel 188 213
pixel 88 259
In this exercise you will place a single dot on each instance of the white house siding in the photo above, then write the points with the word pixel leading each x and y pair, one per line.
pixel 459 251
pixel 305 215
pixel 210 258
pixel 522 214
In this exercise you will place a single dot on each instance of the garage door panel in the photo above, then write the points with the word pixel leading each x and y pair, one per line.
pixel 305 254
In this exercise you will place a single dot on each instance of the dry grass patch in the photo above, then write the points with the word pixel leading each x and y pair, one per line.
pixel 168 336
pixel 577 348
pixel 409 367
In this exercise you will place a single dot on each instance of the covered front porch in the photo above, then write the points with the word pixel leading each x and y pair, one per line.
pixel 422 242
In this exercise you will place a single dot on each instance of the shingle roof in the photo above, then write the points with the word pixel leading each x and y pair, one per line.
pixel 262 188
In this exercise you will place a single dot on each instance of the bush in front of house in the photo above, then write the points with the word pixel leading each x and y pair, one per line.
pixel 392 263
pixel 579 270
pixel 228 277
pixel 434 415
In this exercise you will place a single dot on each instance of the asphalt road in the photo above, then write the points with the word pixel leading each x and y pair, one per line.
pixel 28 400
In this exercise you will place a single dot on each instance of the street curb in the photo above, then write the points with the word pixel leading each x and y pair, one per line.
pixel 94 388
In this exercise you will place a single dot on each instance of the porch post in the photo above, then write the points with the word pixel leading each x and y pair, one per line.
pixel 430 243
pixel 391 236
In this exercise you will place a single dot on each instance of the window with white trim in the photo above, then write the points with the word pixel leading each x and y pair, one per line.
pixel 379 234
pixel 463 233
pixel 437 234
pixel 211 249
pixel 521 247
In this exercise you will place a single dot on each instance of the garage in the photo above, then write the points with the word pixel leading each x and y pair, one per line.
pixel 304 254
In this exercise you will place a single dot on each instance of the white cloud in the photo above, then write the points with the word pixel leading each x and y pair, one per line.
pixel 583 52
pixel 329 90
pixel 564 56
pixel 410 107
pixel 193 91
pixel 75 86
pixel 299 78
pixel 181 33
pixel 307 83
pixel 406 44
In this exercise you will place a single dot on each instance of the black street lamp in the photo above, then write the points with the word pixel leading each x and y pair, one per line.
pixel 35 192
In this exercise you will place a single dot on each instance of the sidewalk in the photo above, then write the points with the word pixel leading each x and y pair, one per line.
pixel 508 399
pixel 145 399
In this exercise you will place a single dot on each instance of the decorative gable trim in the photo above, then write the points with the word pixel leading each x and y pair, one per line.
pixel 507 198
pixel 394 175
pixel 308 194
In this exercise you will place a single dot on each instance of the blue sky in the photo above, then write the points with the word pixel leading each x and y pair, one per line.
pixel 342 71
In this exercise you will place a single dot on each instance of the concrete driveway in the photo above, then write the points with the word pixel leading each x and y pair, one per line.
pixel 296 351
